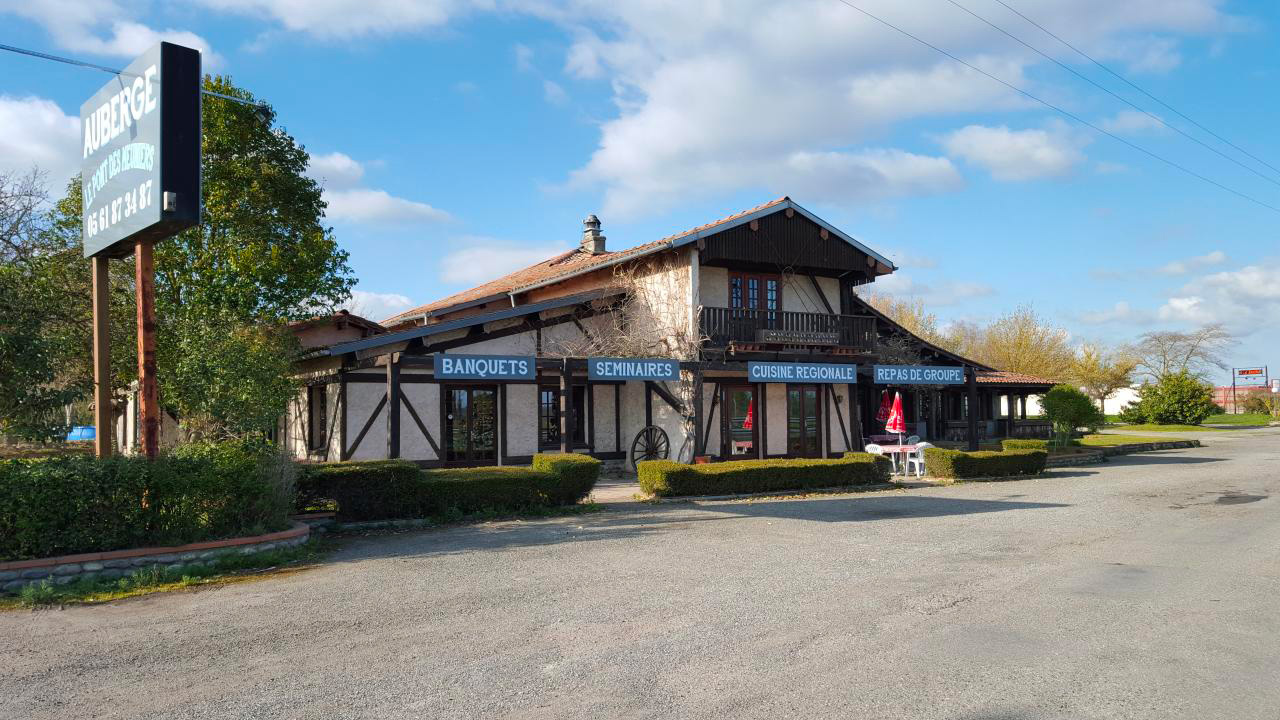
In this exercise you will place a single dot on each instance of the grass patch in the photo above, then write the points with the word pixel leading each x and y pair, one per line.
pixel 1110 440
pixel 1241 419
pixel 1148 427
pixel 227 569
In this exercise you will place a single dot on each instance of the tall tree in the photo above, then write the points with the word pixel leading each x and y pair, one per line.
pixel 910 313
pixel 260 256
pixel 1197 353
pixel 1023 342
pixel 1102 373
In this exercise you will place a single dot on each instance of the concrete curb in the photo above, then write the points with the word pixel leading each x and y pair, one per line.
pixel 832 490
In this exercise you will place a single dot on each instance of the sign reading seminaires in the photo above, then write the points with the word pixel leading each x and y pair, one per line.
pixel 656 369
pixel 485 367
pixel 140 136
pixel 918 375
pixel 778 372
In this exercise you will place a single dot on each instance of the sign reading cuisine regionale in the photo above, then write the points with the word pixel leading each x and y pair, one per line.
pixel 656 369
pixel 484 367
pixel 918 375
pixel 779 372
pixel 140 166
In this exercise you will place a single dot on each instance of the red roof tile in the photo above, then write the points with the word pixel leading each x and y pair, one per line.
pixel 1003 377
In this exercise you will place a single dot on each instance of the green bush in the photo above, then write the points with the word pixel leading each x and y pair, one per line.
pixel 1132 414
pixel 1069 409
pixel 76 504
pixel 665 477
pixel 1177 399
pixel 941 462
pixel 1024 444
pixel 396 489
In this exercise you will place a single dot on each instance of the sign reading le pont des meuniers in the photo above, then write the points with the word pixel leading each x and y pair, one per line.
pixel 140 137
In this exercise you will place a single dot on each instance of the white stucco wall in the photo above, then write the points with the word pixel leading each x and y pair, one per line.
pixel 776 418
pixel 425 398
pixel 603 419
pixel 713 437
pixel 832 408
pixel 522 419
pixel 362 398
pixel 713 286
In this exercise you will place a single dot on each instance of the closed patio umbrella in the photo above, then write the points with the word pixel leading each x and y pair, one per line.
pixel 896 424
pixel 882 415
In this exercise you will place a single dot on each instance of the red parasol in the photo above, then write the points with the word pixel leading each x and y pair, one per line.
pixel 883 414
pixel 751 407
pixel 896 424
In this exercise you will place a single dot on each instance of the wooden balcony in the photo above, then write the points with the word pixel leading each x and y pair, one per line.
pixel 724 326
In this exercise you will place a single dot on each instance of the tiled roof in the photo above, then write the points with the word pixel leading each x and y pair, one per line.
pixel 1002 377
pixel 566 263
pixel 339 316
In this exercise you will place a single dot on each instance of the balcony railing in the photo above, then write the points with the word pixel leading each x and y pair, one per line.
pixel 722 326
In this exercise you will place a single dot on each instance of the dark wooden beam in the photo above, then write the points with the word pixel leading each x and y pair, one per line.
pixel 821 295
pixel 566 408
pixel 661 390
pixel 393 408
pixel 971 381
pixel 422 428
pixel 382 402
pixel 844 432
pixel 617 417
pixel 711 414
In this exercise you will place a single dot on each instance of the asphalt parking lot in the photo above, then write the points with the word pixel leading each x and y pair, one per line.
pixel 1145 588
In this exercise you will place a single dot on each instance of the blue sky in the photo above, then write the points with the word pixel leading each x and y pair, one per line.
pixel 457 140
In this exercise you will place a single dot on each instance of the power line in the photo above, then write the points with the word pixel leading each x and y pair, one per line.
pixel 56 58
pixel 1117 96
pixel 1135 86
pixel 1063 111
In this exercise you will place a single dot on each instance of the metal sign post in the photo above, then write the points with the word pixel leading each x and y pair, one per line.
pixel 140 182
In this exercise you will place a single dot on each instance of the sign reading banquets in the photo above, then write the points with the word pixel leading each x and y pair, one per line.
pixel 484 367
pixel 140 136
pixel 781 372
pixel 918 375
pixel 656 369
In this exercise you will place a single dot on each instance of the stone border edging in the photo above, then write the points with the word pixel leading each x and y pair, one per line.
pixel 832 490
pixel 112 564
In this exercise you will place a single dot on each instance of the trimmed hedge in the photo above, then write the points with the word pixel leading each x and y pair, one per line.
pixel 395 489
pixel 1024 444
pixel 669 478
pixel 945 463
pixel 78 504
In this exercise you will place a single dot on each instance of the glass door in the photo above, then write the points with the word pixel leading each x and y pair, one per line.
pixel 803 422
pixel 740 419
pixel 471 423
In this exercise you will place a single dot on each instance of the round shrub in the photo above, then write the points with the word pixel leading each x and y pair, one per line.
pixel 1068 409
pixel 1178 399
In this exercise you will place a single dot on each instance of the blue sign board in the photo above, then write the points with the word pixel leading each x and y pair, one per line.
pixel 919 375
pixel 657 369
pixel 485 367
pixel 780 372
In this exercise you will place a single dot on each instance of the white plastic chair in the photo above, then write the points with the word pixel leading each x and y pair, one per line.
pixel 915 459
pixel 913 439
pixel 877 450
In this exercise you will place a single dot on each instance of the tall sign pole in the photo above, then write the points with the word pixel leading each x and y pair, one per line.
pixel 140 178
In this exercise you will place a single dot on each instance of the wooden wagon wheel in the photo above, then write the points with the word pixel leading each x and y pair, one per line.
pixel 651 443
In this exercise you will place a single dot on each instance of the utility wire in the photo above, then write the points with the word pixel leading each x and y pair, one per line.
pixel 1135 86
pixel 1063 111
pixel 1121 98
pixel 55 58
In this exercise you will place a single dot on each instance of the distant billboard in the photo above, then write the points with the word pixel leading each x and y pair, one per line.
pixel 140 135
pixel 1251 376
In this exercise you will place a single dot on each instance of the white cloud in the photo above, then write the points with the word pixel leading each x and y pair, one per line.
pixel 1182 267
pixel 1119 314
pixel 340 175
pixel 481 259
pixel 102 27
pixel 377 306
pixel 1128 122
pixel 344 19
pixel 1245 300
pixel 35 132
pixel 378 206
pixel 524 57
pixel 867 175
pixel 553 93
pixel 1015 155
pixel 940 294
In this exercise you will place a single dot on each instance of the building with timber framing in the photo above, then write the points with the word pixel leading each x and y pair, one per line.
pixel 742 338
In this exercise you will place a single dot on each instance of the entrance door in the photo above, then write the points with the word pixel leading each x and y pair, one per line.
pixel 803 421
pixel 741 418
pixel 471 423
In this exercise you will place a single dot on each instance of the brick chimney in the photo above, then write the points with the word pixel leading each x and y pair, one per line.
pixel 592 240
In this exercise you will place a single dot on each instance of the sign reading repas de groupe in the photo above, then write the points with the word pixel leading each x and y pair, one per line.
pixel 484 367
pixel 780 372
pixel 655 369
pixel 918 375
pixel 140 139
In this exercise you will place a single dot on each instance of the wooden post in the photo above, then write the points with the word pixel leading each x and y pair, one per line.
pixel 971 379
pixel 1013 414
pixel 393 407
pixel 148 389
pixel 104 428
pixel 699 442
pixel 566 408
